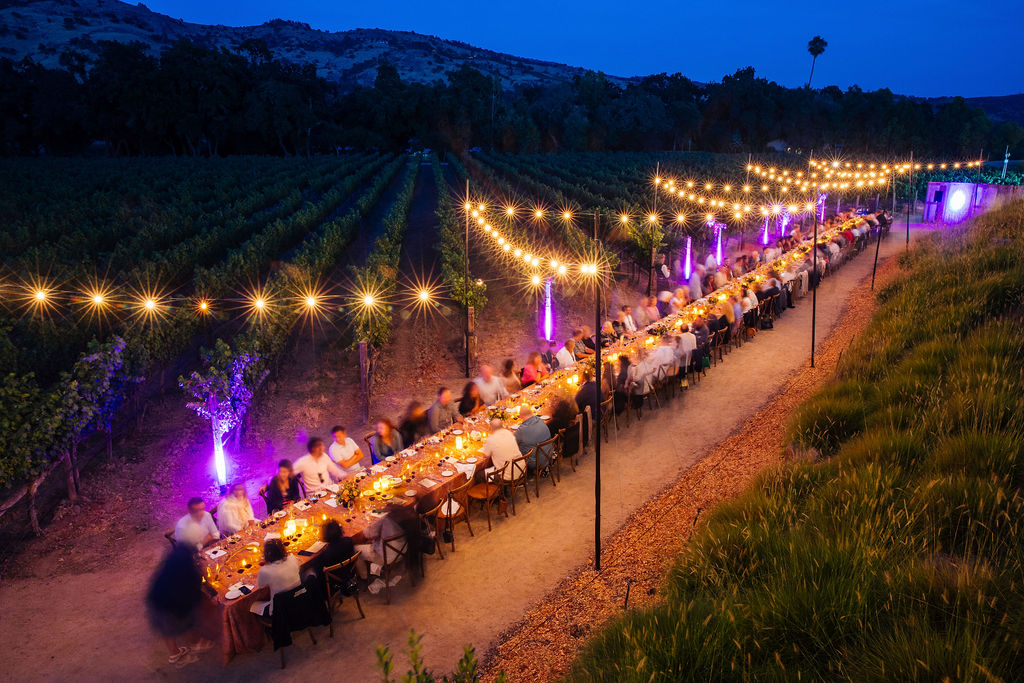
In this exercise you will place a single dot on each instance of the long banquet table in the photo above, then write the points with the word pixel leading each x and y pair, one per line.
pixel 420 475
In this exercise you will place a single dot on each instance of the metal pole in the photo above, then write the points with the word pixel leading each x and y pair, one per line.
pixel 874 268
pixel 465 279
pixel 910 184
pixel 817 281
pixel 596 416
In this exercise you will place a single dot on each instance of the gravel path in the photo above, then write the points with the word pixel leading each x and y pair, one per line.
pixel 90 624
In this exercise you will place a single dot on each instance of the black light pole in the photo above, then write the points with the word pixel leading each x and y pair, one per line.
pixel 596 416
pixel 817 280
pixel 910 184
pixel 465 278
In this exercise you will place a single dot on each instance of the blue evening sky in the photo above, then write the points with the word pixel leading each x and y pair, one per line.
pixel 913 47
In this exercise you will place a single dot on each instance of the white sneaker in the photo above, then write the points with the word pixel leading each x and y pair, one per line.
pixel 394 581
pixel 375 587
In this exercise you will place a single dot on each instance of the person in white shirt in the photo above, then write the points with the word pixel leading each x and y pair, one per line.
pixel 197 528
pixel 501 447
pixel 629 321
pixel 492 388
pixel 235 511
pixel 279 573
pixel 316 469
pixel 711 263
pixel 345 452
pixel 565 355
pixel 686 345
pixel 664 356
pixel 679 301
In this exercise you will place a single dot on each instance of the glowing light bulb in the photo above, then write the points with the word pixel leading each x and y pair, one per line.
pixel 535 279
pixel 538 213
pixel 624 218
pixel 259 304
pixel 311 301
pixel 40 295
pixel 97 299
pixel 567 215
pixel 424 295
pixel 368 300
pixel 150 304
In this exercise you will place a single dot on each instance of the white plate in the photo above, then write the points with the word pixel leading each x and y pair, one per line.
pixel 470 460
pixel 456 432
pixel 233 594
pixel 390 458
pixel 447 473
pixel 410 492
pixel 545 417
pixel 279 514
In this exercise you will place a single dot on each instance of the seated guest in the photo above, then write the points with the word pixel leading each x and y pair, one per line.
pixel 501 447
pixel 510 377
pixel 414 426
pixel 531 432
pixel 279 573
pixel 651 310
pixel 283 488
pixel 345 452
pixel 235 511
pixel 401 522
pixel 687 344
pixel 492 389
pixel 588 341
pixel 678 301
pixel 618 326
pixel 700 330
pixel 338 548
pixel 608 334
pixel 664 356
pixel 316 469
pixel 534 369
pixel 664 297
pixel 630 320
pixel 622 384
pixel 197 528
pixel 470 401
pixel 567 354
pixel 386 441
pixel 588 395
pixel 580 348
pixel 443 413
pixel 547 355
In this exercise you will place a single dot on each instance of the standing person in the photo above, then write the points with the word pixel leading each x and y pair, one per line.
pixel 492 389
pixel 236 511
pixel 316 469
pixel 197 528
pixel 345 452
pixel 414 425
pixel 470 401
pixel 443 413
pixel 283 489
pixel 510 377
pixel 386 441
pixel 173 604
pixel 566 355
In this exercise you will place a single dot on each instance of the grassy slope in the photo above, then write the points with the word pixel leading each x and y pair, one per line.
pixel 897 556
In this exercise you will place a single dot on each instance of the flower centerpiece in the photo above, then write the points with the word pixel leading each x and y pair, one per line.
pixel 348 491
pixel 499 413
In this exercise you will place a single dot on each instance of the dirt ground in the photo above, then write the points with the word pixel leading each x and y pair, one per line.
pixel 73 600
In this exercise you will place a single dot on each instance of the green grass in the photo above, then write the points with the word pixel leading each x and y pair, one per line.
pixel 900 554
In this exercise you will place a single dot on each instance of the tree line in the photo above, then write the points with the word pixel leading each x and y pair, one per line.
pixel 196 100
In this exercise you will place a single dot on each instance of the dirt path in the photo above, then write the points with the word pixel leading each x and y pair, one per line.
pixel 88 603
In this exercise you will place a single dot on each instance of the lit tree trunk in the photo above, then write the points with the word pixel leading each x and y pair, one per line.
pixel 813 60
pixel 33 513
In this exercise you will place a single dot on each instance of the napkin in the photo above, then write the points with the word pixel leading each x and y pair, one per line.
pixel 333 488
pixel 270 535
pixel 428 483
pixel 303 506
pixel 466 468
pixel 378 468
pixel 333 502
pixel 313 549
pixel 214 553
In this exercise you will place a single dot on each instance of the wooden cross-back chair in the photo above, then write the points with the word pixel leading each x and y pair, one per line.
pixel 335 577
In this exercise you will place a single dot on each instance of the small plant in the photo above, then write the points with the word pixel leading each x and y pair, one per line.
pixel 466 669
pixel 348 492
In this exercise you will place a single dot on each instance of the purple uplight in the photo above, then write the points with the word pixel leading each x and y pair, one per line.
pixel 687 267
pixel 549 321
pixel 784 223
pixel 718 248
pixel 764 237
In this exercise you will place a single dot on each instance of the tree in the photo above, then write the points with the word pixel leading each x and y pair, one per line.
pixel 816 46
pixel 223 393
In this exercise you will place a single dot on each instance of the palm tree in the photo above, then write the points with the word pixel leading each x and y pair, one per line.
pixel 816 46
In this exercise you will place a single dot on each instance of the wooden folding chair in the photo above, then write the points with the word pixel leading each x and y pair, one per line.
pixel 608 417
pixel 396 551
pixel 455 508
pixel 575 426
pixel 547 460
pixel 334 576
pixel 429 519
pixel 513 477
pixel 486 493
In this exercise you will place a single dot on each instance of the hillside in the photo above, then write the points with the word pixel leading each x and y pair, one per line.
pixel 43 29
